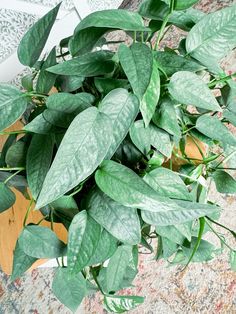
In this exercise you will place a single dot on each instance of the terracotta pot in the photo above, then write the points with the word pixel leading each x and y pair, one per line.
pixel 191 151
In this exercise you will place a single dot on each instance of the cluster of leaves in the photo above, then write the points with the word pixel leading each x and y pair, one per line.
pixel 99 155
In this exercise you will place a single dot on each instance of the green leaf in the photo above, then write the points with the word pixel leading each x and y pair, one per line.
pixel 166 118
pixel 45 79
pixel 158 10
pixel 40 126
pixel 144 138
pixel 167 183
pixel 95 25
pixel 21 262
pixel 154 9
pixel 186 19
pixel 13 104
pixel 27 82
pixel 121 304
pixel 151 97
pixel 67 205
pixel 83 238
pixel 11 139
pixel 106 247
pixel 35 39
pixel 117 266
pixel 212 127
pixel 82 149
pixel 38 161
pixel 160 139
pixel 229 95
pixel 171 63
pixel 136 62
pixel 198 241
pixel 204 251
pixel 106 85
pixel 181 89
pixel 177 233
pixel 16 154
pixel 127 188
pixel 69 83
pixel 64 107
pixel 18 182
pixel 168 248
pixel 122 109
pixel 213 36
pixel 230 116
pixel 41 242
pixel 7 197
pixel 233 260
pixel 225 183
pixel 122 222
pixel 90 64
pixel 69 290
pixel 141 136
pixel 182 4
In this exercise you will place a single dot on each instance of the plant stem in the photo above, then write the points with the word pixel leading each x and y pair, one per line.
pixel 222 80
pixel 186 131
pixel 162 30
pixel 225 168
pixel 12 169
pixel 76 191
pixel 226 158
pixel 95 279
pixel 13 132
pixel 37 95
pixel 52 228
pixel 222 226
pixel 9 178
pixel 219 237
pixel 27 212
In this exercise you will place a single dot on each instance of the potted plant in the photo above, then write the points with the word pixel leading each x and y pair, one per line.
pixel 126 148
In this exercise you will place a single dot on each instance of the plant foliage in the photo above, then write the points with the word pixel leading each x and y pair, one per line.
pixel 106 155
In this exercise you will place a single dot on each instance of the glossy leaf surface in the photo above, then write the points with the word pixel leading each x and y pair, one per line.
pixel 73 163
pixel 122 108
pixel 122 222
pixel 13 104
pixel 181 89
pixel 83 238
pixel 35 39
pixel 41 242
pixel 70 290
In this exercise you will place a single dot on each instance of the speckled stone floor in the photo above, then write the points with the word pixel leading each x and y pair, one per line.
pixel 203 288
